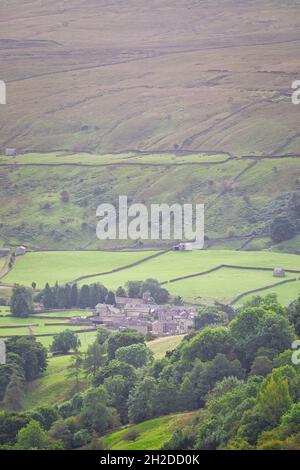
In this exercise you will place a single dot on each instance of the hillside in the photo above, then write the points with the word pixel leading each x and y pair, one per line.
pixel 242 196
pixel 111 76
pixel 149 435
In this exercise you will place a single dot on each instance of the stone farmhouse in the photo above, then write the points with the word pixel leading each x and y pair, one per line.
pixel 20 251
pixel 143 316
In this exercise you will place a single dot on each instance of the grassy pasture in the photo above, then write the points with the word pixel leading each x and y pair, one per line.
pixel 223 285
pixel 151 434
pixel 53 387
pixel 160 346
pixel 59 158
pixel 53 266
pixel 286 293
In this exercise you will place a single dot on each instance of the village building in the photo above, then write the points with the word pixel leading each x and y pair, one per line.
pixel 145 317
pixel 20 251
pixel 4 251
pixel 10 152
pixel 279 272
pixel 184 246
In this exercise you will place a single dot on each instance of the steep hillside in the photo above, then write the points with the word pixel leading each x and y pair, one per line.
pixel 49 201
pixel 111 76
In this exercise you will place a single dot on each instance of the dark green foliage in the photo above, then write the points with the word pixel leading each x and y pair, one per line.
pixel 136 289
pixel 65 341
pixel 210 316
pixel 110 298
pixel 10 423
pixel 21 302
pixel 32 353
pixel 124 338
pixel 282 229
pixel 137 355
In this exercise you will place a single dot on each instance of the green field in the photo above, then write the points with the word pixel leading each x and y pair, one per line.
pixel 87 159
pixel 63 267
pixel 285 293
pixel 160 346
pixel 53 387
pixel 151 435
pixel 224 284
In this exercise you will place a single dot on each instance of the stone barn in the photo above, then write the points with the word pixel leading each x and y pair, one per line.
pixel 20 251
pixel 279 272
pixel 10 152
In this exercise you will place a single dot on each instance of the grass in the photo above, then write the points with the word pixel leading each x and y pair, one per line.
pixel 62 267
pixel 151 435
pixel 224 284
pixel 175 100
pixel 85 159
pixel 160 346
pixel 247 200
pixel 286 293
pixel 53 387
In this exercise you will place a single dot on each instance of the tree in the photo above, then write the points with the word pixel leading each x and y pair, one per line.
pixel 81 438
pixel 134 289
pixel 32 354
pixel 159 294
pixel 32 437
pixel 61 432
pixel 113 368
pixel 121 339
pixel 138 355
pixel 96 415
pixel 48 415
pixel 262 365
pixel 75 369
pixel 110 298
pixel 65 341
pixel 166 398
pixel 98 294
pixel 84 297
pixel 274 398
pixel 188 395
pixel 294 315
pixel 21 302
pixel 209 342
pixel 10 424
pixel 13 398
pixel 102 336
pixel 48 297
pixel 282 229
pixel 141 399
pixel 259 327
pixel 74 295
pixel 94 358
pixel 121 292
pixel 118 388
pixel 210 316
pixel 178 301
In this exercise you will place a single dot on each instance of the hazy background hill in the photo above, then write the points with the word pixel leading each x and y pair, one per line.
pixel 109 75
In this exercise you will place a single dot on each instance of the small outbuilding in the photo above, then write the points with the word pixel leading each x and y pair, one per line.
pixel 4 251
pixel 10 152
pixel 184 246
pixel 20 251
pixel 279 272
